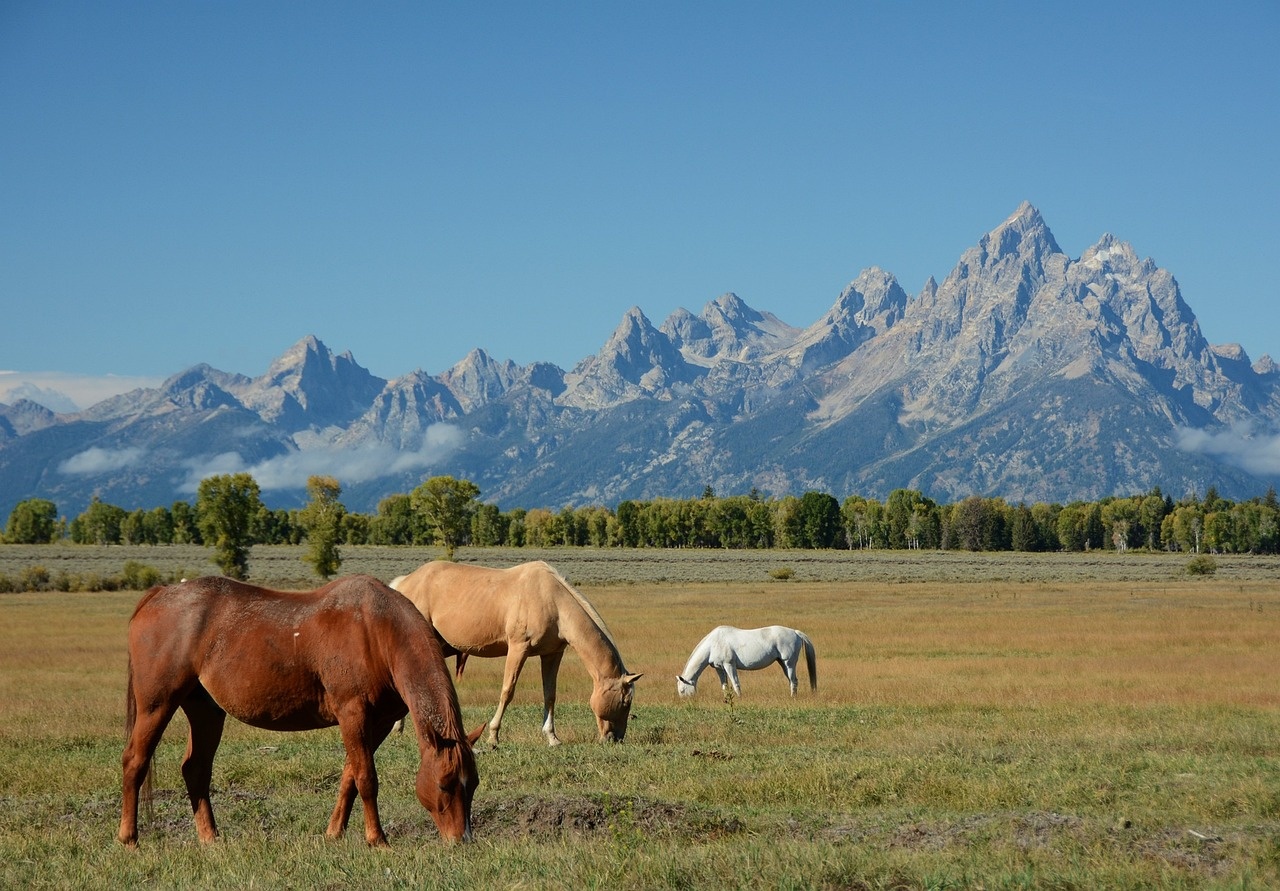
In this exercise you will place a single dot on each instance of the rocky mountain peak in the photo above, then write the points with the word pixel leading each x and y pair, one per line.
pixel 1007 378
pixel 24 416
pixel 308 386
pixel 637 360
pixel 727 329
pixel 873 303
pixel 1022 234
pixel 479 379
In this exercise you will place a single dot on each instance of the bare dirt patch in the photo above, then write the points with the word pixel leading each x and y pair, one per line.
pixel 535 817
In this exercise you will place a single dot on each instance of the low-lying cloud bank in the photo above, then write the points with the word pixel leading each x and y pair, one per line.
pixel 1240 446
pixel 289 471
pixel 96 460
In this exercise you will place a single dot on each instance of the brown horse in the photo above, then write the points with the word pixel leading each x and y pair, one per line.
pixel 353 653
pixel 527 610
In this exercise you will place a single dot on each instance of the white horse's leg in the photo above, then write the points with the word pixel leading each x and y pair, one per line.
pixel 723 675
pixel 789 669
pixel 550 670
pixel 732 672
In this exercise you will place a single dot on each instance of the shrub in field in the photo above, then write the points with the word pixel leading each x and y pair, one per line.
pixel 782 573
pixel 1202 565
pixel 34 578
pixel 138 576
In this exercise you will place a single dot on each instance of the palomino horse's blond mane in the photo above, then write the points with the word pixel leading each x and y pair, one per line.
pixel 587 606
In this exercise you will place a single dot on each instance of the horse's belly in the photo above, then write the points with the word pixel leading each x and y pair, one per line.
pixel 486 651
pixel 286 707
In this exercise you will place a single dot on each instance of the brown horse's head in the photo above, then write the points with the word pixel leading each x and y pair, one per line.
pixel 446 783
pixel 611 702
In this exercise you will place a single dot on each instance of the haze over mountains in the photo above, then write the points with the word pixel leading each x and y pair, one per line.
pixel 1024 374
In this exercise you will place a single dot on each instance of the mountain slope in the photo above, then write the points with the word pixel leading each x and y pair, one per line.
pixel 1025 374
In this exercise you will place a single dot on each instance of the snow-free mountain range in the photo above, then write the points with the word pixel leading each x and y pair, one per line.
pixel 1025 374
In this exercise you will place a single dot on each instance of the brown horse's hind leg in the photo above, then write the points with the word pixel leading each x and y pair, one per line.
pixel 207 720
pixel 144 735
pixel 359 775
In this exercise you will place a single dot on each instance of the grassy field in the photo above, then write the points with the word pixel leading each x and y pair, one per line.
pixel 1060 721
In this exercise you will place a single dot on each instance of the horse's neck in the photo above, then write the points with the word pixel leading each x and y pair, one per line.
pixel 582 630
pixel 698 662
pixel 426 692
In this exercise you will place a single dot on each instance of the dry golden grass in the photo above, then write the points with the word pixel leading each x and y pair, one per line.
pixel 990 644
pixel 1069 733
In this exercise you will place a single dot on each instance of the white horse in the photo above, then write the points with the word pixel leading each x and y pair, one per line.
pixel 727 649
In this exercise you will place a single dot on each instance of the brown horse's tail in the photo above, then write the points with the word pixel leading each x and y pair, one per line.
pixel 131 718
pixel 461 663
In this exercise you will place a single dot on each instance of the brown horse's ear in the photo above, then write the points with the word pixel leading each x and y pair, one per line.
pixel 474 735
pixel 631 678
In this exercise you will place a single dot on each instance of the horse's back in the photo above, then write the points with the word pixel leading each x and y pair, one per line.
pixel 446 592
pixel 279 659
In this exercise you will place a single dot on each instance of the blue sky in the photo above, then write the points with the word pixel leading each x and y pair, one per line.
pixel 209 182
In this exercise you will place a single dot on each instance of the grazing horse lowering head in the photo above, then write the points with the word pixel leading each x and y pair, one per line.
pixel 518 613
pixel 446 783
pixel 611 702
pixel 353 653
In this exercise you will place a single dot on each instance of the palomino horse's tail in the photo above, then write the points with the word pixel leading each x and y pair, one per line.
pixel 131 718
pixel 811 659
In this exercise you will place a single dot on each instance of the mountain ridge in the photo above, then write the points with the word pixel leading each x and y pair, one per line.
pixel 1024 374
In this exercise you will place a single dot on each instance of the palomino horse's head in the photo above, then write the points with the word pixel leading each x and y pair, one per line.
pixel 611 702
pixel 447 781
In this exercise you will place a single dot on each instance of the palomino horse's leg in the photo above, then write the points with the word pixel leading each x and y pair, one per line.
pixel 207 720
pixel 144 736
pixel 359 775
pixel 516 656
pixel 550 671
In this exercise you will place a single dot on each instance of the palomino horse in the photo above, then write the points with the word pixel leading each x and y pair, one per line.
pixel 527 610
pixel 727 649
pixel 353 653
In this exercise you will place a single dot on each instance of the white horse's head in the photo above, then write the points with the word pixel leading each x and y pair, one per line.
pixel 685 688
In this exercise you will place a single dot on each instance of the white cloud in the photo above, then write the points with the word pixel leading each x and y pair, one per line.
pixel 1241 446
pixel 96 460
pixel 290 471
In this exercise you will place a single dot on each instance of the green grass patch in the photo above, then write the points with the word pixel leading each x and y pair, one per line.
pixel 1059 733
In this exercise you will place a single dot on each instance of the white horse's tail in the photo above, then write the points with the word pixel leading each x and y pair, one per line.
pixel 811 659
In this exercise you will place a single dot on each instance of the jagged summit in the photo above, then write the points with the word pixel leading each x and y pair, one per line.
pixel 1023 373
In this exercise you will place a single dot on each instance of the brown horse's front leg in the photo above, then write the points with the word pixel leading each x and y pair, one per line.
pixel 359 775
pixel 342 810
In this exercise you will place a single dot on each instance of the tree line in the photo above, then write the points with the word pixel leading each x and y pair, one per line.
pixel 229 516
